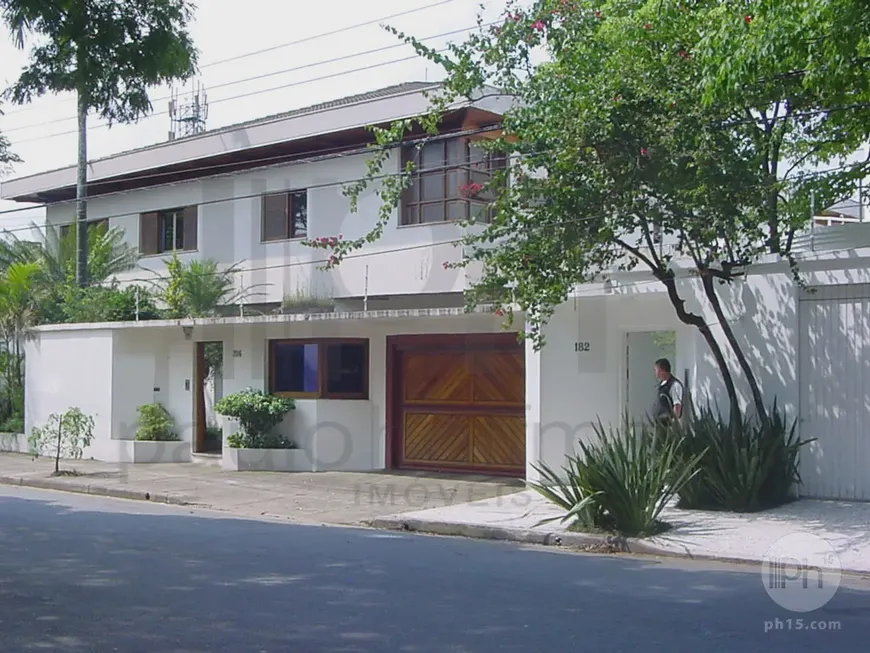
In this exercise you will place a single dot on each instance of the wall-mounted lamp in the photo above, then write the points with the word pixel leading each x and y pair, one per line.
pixel 188 332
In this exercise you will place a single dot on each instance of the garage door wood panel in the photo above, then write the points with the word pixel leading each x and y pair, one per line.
pixel 436 438
pixel 458 405
pixel 498 440
pixel 443 379
pixel 499 377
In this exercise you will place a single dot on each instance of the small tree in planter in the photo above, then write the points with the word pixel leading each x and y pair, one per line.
pixel 155 424
pixel 65 434
pixel 258 414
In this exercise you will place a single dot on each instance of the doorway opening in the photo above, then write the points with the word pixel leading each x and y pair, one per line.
pixel 209 390
pixel 642 350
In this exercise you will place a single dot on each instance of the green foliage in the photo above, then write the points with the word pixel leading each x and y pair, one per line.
pixel 155 424
pixel 107 304
pixel 7 156
pixel 199 288
pixel 65 434
pixel 614 145
pixel 622 481
pixel 109 52
pixel 108 253
pixel 12 424
pixel 258 414
pixel 744 467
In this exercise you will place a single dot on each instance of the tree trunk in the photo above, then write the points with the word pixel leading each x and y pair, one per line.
pixel 708 282
pixel 81 193
pixel 698 322
pixel 59 440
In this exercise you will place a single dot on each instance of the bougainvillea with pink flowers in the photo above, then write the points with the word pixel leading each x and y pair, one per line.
pixel 649 120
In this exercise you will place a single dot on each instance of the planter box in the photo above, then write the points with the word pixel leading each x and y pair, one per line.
pixel 265 460
pixel 143 452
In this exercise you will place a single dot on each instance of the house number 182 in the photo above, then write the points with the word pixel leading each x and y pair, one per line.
pixel 581 346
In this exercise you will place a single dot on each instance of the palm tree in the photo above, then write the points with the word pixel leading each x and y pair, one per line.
pixel 55 253
pixel 18 310
pixel 199 288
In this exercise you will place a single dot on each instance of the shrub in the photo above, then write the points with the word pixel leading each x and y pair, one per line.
pixel 107 304
pixel 622 481
pixel 12 424
pixel 68 433
pixel 258 414
pixel 746 466
pixel 155 424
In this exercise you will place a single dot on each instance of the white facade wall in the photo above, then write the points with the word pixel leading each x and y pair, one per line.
pixel 407 260
pixel 808 355
pixel 568 391
pixel 71 370
pixel 109 373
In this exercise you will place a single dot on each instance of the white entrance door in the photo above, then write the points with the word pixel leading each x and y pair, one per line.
pixel 643 349
pixel 834 379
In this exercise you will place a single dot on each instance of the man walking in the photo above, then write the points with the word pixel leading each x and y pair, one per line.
pixel 669 401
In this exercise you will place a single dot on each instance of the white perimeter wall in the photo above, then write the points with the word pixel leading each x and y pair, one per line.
pixel 66 370
pixel 569 391
pixel 109 374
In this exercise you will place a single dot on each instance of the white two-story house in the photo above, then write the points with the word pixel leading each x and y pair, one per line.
pixel 386 367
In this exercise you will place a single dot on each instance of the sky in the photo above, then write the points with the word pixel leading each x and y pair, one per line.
pixel 231 45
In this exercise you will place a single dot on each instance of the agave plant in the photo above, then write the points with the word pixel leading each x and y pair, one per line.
pixel 747 466
pixel 623 480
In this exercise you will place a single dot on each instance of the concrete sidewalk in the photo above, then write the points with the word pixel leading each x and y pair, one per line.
pixel 344 498
pixel 816 526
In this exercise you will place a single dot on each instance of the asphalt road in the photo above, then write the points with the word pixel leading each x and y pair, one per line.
pixel 86 574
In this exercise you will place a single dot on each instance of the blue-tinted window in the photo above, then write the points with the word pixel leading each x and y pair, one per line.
pixel 294 367
pixel 325 368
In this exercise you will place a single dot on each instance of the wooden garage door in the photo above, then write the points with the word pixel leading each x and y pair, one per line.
pixel 460 404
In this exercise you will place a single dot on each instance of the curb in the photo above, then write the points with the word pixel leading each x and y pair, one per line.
pixel 612 543
pixel 94 490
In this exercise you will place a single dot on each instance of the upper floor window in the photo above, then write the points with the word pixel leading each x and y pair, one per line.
pixel 100 225
pixel 285 215
pixel 448 182
pixel 169 230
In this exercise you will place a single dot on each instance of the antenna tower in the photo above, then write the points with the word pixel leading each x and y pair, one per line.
pixel 188 112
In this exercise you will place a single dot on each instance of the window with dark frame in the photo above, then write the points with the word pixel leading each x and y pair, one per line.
pixel 93 224
pixel 451 181
pixel 324 368
pixel 284 215
pixel 170 230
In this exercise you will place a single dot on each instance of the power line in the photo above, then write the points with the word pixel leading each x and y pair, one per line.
pixel 290 43
pixel 249 94
pixel 322 154
pixel 240 81
pixel 319 157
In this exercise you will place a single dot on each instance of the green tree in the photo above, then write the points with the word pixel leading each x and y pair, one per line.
pixel 7 157
pixel 108 252
pixel 625 135
pixel 18 304
pixel 199 288
pixel 109 53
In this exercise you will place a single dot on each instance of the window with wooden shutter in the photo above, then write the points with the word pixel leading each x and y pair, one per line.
pixel 190 228
pixel 169 230
pixel 284 216
pixel 149 233
pixel 275 217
